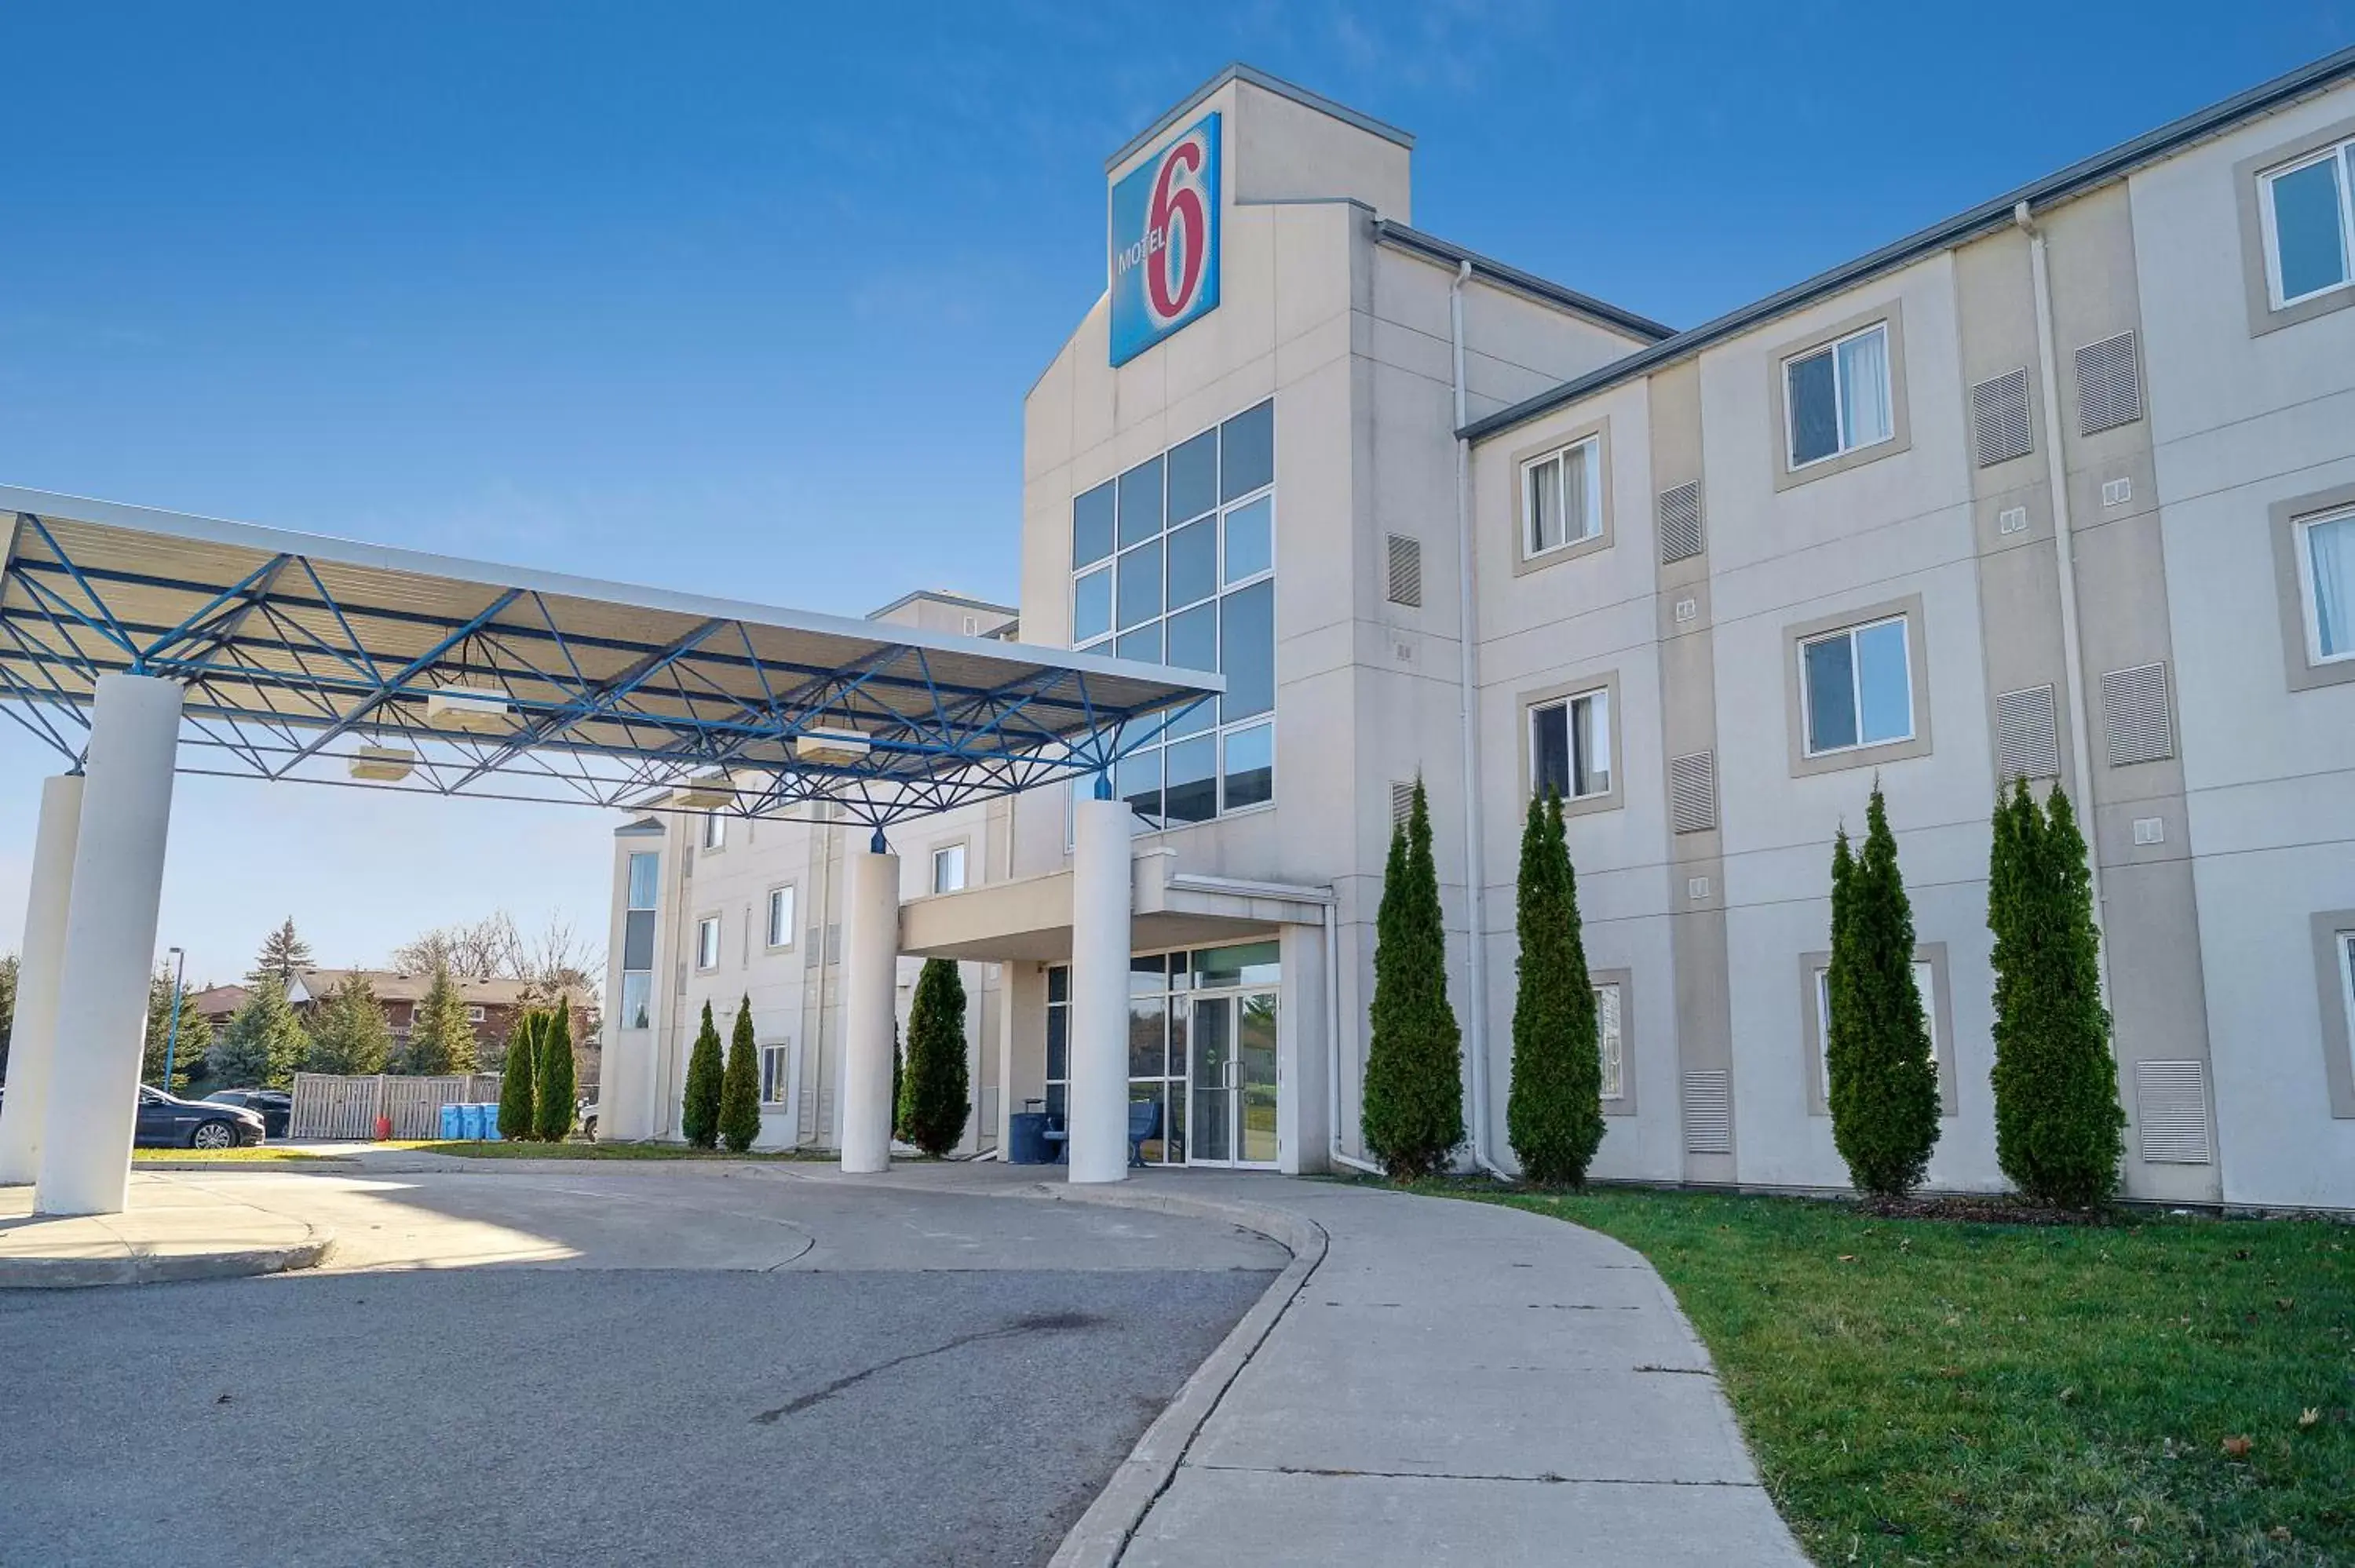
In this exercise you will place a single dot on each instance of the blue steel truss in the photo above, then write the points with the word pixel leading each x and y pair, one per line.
pixel 298 667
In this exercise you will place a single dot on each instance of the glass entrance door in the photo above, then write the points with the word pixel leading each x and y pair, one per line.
pixel 1232 1069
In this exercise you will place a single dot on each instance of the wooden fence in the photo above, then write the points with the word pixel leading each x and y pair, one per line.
pixel 328 1105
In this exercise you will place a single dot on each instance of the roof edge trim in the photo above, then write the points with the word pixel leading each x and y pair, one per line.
pixel 1388 231
pixel 1238 71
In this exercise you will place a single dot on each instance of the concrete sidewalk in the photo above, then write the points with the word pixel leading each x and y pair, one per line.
pixel 178 1227
pixel 1452 1382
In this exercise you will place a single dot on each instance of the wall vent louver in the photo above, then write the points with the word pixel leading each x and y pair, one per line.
pixel 2000 418
pixel 1680 523
pixel 2027 734
pixel 1405 571
pixel 1401 802
pixel 2171 1104
pixel 812 947
pixel 1692 792
pixel 2134 712
pixel 1708 1113
pixel 2109 384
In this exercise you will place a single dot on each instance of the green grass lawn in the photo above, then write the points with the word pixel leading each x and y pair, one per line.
pixel 2172 1391
pixel 258 1154
pixel 504 1150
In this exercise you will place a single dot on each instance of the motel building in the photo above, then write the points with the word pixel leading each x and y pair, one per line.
pixel 2062 487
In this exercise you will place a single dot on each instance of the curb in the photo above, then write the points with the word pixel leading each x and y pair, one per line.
pixel 148 1268
pixel 1104 1532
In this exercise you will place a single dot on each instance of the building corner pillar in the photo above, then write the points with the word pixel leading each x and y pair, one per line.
pixel 32 1044
pixel 109 947
pixel 1102 905
pixel 870 972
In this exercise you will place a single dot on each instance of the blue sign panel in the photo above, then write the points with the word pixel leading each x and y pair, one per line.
pixel 1164 241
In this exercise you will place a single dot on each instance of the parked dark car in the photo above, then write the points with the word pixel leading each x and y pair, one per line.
pixel 167 1121
pixel 276 1105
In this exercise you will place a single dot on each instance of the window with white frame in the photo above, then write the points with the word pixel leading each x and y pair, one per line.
pixel 2309 224
pixel 715 831
pixel 776 1070
pixel 2325 567
pixel 1562 497
pixel 1837 398
pixel 1174 563
pixel 475 1014
pixel 781 917
pixel 1608 1042
pixel 1856 687
pixel 1569 745
pixel 948 868
pixel 642 883
pixel 707 942
pixel 1925 980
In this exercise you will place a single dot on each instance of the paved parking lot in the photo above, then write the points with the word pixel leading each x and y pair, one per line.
pixel 834 1376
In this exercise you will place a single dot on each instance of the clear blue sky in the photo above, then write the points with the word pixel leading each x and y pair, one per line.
pixel 745 298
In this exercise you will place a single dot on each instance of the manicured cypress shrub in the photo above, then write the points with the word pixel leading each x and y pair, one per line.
pixel 739 1086
pixel 1554 1112
pixel 935 1096
pixel 2059 1130
pixel 1884 1084
pixel 517 1108
pixel 552 1079
pixel 699 1116
pixel 1413 1106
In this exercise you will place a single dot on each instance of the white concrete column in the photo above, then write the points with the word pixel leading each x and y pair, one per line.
pixel 110 948
pixel 871 975
pixel 1101 907
pixel 32 1044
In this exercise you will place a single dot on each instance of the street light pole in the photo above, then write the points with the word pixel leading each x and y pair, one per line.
pixel 172 1035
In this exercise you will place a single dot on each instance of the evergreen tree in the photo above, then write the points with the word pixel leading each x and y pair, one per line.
pixel 440 1038
pixel 1412 1109
pixel 1555 1112
pixel 699 1116
pixel 898 1081
pixel 935 1096
pixel 1884 1082
pixel 740 1085
pixel 552 1081
pixel 518 1110
pixel 2060 1131
pixel 283 955
pixel 262 1044
pixel 187 1052
pixel 349 1033
pixel 9 966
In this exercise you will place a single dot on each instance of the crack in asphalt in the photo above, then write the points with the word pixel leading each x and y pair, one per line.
pixel 1034 1323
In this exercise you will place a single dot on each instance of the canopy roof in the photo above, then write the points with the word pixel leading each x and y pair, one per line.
pixel 308 657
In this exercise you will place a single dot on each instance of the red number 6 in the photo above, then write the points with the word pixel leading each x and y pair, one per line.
pixel 1175 207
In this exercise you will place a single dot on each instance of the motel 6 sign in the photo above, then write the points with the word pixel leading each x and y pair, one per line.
pixel 1164 241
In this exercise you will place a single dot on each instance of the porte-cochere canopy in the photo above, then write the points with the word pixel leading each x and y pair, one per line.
pixel 313 658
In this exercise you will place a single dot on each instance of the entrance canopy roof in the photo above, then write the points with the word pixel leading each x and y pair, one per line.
pixel 307 657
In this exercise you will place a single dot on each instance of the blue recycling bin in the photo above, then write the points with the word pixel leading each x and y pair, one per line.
pixel 490 1133
pixel 474 1120
pixel 453 1123
pixel 1026 1138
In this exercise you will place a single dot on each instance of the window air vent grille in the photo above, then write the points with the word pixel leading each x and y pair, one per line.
pixel 1402 803
pixel 1406 571
pixel 2171 1103
pixel 1692 792
pixel 812 947
pixel 2109 384
pixel 1708 1113
pixel 2134 710
pixel 1680 513
pixel 2000 418
pixel 2027 734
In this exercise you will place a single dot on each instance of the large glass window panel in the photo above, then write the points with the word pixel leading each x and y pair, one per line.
pixel 1249 777
pixel 1092 527
pixel 1137 780
pixel 1193 780
pixel 1140 585
pixel 1212 1048
pixel 1173 1135
pixel 1148 976
pixel 1194 477
pixel 637 999
pixel 2309 229
pixel 644 871
pixel 1155 1119
pixel 1864 389
pixel 1147 1019
pixel 1247 452
pixel 1193 563
pixel 638 939
pixel 1247 651
pixel 2330 571
pixel 1550 749
pixel 1091 606
pixel 1194 638
pixel 1250 539
pixel 1144 643
pixel 1812 396
pixel 1256 1053
pixel 1140 503
pixel 1884 683
pixel 1058 989
pixel 1245 963
pixel 1059 1037
pixel 1830 669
